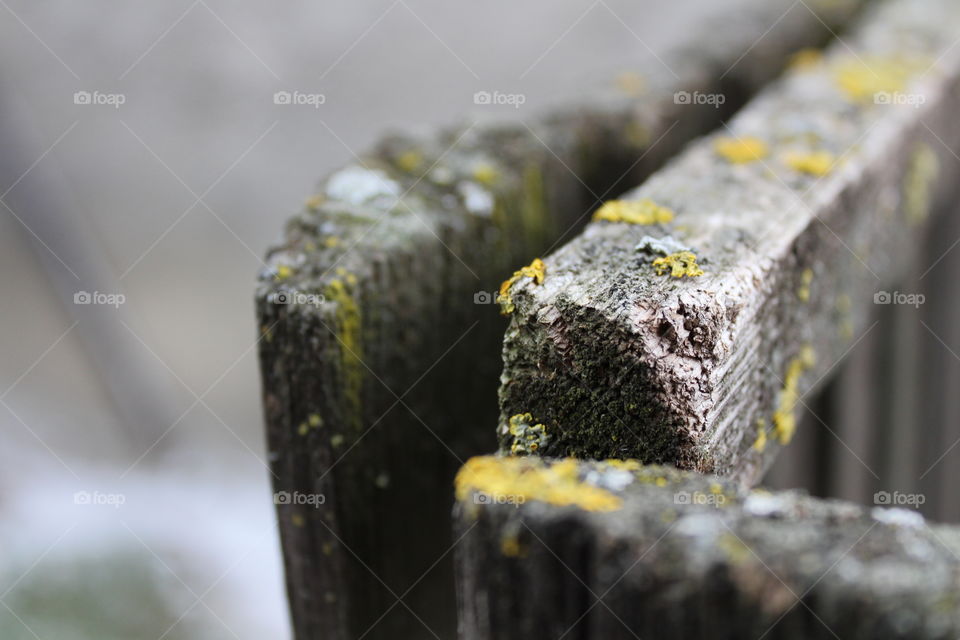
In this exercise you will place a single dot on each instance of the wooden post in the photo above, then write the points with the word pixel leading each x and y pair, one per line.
pixel 781 229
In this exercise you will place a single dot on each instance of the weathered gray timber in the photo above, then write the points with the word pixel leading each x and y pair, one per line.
pixel 799 211
pixel 380 367
pixel 575 549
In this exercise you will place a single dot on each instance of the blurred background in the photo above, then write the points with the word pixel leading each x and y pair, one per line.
pixel 145 166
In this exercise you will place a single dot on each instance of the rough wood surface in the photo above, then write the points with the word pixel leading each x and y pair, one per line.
pixel 375 394
pixel 616 360
pixel 653 552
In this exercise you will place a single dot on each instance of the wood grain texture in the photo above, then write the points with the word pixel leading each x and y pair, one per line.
pixel 688 556
pixel 376 393
pixel 618 361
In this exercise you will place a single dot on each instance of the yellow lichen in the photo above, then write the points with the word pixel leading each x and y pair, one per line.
pixel 626 465
pixel 336 441
pixel 637 134
pixel 349 332
pixel 784 418
pixel 815 163
pixel 806 279
pixel 862 79
pixel 631 83
pixel 346 275
pixel 741 150
pixel 678 265
pixel 527 437
pixel 761 442
pixel 485 174
pixel 805 59
pixel 314 420
pixel 410 160
pixel 644 211
pixel 303 429
pixel 520 479
pixel 536 270
pixel 918 183
pixel 283 272
pixel 735 549
pixel 297 520
pixel 331 241
pixel 510 546
pixel 844 308
pixel 313 202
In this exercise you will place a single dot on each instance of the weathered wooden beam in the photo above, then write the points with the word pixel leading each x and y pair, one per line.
pixel 379 366
pixel 572 549
pixel 798 212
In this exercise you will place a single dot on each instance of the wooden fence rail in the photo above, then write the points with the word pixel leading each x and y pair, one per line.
pixel 686 325
pixel 370 311
pixel 574 549
pixel 761 253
